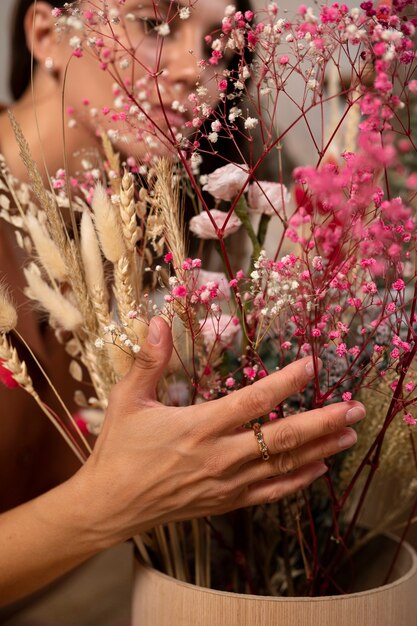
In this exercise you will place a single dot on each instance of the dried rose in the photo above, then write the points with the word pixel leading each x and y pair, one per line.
pixel 202 226
pixel 267 197
pixel 223 329
pixel 226 182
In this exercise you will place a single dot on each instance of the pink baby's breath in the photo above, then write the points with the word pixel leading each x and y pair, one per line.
pixel 409 419
pixel 399 285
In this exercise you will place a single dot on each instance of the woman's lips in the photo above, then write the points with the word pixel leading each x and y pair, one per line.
pixel 160 116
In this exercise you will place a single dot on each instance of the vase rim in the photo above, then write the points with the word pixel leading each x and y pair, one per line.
pixel 411 572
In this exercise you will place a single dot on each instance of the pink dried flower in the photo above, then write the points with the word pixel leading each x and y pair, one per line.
pixel 218 279
pixel 180 291
pixel 226 182
pixel 409 419
pixel 399 285
pixel 202 226
pixel 412 86
pixel 267 198
pixel 341 349
pixel 249 372
pixel 220 329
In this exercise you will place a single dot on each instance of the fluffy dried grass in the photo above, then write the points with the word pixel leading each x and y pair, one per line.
pixel 107 225
pixel 394 485
pixel 8 313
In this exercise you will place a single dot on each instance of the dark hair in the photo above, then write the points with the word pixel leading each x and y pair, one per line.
pixel 19 77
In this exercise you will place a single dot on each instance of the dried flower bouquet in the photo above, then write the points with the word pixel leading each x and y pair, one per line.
pixel 330 270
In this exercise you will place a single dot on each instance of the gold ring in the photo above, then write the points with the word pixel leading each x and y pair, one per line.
pixel 263 448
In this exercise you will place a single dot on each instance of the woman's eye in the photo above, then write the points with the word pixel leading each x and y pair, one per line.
pixel 150 24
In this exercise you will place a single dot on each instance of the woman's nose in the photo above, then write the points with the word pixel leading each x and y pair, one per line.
pixel 183 54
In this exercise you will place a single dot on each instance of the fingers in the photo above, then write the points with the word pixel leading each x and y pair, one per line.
pixel 294 431
pixel 274 489
pixel 261 397
pixel 285 462
pixel 150 362
pixel 285 435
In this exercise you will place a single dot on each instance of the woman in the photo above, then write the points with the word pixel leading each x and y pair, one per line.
pixel 203 469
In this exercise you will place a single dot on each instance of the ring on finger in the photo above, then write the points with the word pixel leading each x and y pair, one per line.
pixel 263 448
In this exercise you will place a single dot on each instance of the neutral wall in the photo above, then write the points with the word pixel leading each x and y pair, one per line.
pixel 6 7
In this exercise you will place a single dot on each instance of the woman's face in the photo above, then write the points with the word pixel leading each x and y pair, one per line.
pixel 137 69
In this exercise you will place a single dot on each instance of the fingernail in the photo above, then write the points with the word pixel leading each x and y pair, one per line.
pixel 355 414
pixel 154 334
pixel 348 439
pixel 310 367
pixel 322 469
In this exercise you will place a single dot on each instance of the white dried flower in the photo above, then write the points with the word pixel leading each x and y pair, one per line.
pixel 99 343
pixel 75 42
pixel 234 113
pixel 251 122
pixel 185 13
pixel 163 29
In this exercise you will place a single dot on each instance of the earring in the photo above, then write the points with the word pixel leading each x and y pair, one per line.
pixel 49 64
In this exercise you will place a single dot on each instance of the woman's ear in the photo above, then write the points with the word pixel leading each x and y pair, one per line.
pixel 41 36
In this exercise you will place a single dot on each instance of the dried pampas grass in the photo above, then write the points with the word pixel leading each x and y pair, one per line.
pixel 91 256
pixel 52 301
pixel 394 485
pixel 107 225
pixel 8 313
pixel 48 252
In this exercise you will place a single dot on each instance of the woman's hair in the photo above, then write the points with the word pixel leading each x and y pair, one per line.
pixel 20 68
pixel 19 77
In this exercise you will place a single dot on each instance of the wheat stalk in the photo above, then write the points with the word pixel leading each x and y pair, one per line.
pixel 56 226
pixel 10 361
pixel 166 204
pixel 113 159
pixel 128 212
pixel 123 289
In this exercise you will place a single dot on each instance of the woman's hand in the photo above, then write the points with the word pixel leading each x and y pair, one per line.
pixel 154 464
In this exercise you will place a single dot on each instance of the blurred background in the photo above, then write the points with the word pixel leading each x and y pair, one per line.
pixel 6 7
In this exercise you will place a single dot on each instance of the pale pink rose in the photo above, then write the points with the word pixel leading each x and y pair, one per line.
pixel 205 278
pixel 201 225
pixel 267 198
pixel 226 182
pixel 223 329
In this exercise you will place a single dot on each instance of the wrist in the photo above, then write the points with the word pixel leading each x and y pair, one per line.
pixel 98 513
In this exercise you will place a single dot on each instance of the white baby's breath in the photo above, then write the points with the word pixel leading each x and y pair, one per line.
pixel 163 29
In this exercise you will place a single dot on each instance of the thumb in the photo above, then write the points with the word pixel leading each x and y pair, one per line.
pixel 151 361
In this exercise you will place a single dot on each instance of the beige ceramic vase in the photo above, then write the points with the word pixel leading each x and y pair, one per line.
pixel 159 600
